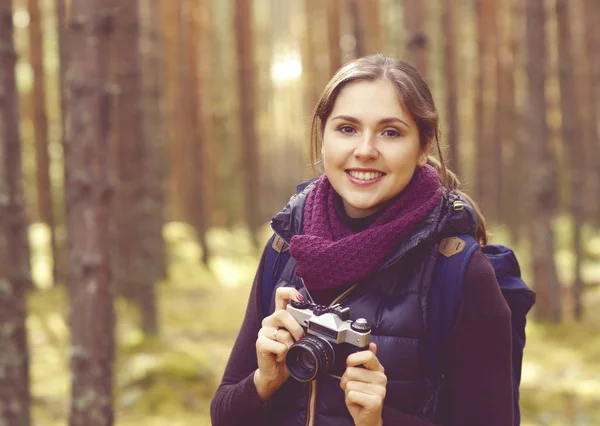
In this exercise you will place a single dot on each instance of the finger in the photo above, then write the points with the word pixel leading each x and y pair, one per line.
pixel 266 346
pixel 285 337
pixel 284 294
pixel 367 359
pixel 369 402
pixel 366 388
pixel 283 319
pixel 358 374
pixel 268 332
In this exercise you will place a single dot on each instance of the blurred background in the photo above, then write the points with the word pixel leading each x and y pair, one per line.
pixel 145 144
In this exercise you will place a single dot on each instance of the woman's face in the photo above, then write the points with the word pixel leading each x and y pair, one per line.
pixel 370 146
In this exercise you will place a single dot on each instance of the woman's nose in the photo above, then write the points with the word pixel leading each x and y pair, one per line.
pixel 366 148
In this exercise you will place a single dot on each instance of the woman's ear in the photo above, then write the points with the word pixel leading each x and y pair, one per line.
pixel 424 154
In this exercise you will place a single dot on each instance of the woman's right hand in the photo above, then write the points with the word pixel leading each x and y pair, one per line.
pixel 279 331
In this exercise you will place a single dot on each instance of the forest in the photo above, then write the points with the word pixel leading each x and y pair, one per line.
pixel 145 145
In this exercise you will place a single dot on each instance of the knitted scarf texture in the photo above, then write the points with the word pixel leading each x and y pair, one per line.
pixel 329 254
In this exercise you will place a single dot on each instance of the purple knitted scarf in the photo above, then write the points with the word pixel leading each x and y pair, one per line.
pixel 329 254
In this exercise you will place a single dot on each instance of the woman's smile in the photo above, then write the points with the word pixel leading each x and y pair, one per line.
pixel 364 177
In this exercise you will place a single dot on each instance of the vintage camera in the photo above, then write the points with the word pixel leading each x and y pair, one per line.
pixel 330 337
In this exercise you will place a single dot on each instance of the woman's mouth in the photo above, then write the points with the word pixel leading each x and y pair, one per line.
pixel 364 178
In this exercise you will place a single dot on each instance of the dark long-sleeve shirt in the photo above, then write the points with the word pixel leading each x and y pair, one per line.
pixel 478 362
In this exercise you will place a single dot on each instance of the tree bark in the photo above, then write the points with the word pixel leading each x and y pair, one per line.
pixel 506 118
pixel 572 139
pixel 450 53
pixel 415 16
pixel 487 158
pixel 60 260
pixel 589 111
pixel 153 247
pixel 366 26
pixel 245 75
pixel 333 35
pixel 89 194
pixel 193 122
pixel 131 157
pixel 15 275
pixel 542 178
pixel 40 126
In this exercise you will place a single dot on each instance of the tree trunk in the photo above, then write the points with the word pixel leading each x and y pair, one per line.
pixel 486 161
pixel 245 75
pixel 506 118
pixel 176 153
pixel 89 194
pixel 40 126
pixel 309 54
pixel 131 154
pixel 449 55
pixel 193 122
pixel 334 11
pixel 415 16
pixel 60 261
pixel 542 178
pixel 589 111
pixel 15 278
pixel 366 26
pixel 571 134
pixel 153 247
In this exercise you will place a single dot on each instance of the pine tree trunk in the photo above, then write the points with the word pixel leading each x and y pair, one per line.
pixel 415 15
pixel 15 278
pixel 506 118
pixel 542 175
pixel 60 261
pixel 334 11
pixel 193 117
pixel 176 152
pixel 487 162
pixel 40 126
pixel 590 107
pixel 572 138
pixel 153 248
pixel 89 194
pixel 449 55
pixel 245 75
pixel 366 26
pixel 131 156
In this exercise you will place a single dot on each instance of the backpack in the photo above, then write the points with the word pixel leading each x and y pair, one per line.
pixel 453 255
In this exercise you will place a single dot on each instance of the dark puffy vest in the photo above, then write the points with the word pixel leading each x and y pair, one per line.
pixel 394 300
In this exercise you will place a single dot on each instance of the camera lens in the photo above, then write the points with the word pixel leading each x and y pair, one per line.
pixel 309 356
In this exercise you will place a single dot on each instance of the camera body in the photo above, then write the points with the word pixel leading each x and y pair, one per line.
pixel 330 337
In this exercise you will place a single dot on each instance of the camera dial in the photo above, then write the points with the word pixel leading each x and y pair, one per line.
pixel 300 305
pixel 319 310
pixel 361 325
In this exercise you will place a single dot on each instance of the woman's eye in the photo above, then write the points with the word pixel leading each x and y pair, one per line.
pixel 391 133
pixel 346 129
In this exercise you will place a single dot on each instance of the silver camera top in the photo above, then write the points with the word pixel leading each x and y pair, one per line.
pixel 331 323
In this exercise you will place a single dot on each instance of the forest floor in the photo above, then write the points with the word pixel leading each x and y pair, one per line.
pixel 170 380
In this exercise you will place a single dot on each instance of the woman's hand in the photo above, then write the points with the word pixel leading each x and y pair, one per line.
pixel 279 331
pixel 364 384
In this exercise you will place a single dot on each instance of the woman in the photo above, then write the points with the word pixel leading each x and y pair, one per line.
pixel 361 235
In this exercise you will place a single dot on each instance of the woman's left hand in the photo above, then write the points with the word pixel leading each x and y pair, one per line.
pixel 364 384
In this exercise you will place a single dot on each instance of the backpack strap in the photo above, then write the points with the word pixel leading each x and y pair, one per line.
pixel 453 255
pixel 277 257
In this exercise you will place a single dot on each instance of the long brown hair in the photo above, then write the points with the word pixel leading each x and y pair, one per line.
pixel 415 97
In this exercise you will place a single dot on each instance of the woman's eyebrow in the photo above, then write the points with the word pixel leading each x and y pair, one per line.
pixel 388 120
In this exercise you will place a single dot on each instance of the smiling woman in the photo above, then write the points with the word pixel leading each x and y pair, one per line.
pixel 371 146
pixel 363 238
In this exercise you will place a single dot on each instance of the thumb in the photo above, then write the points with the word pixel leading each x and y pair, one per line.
pixel 373 348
